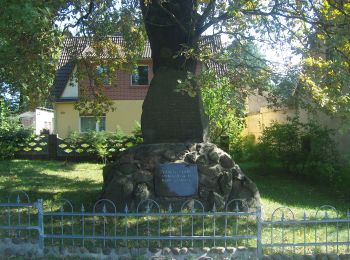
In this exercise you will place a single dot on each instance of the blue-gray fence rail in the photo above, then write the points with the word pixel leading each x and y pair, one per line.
pixel 150 225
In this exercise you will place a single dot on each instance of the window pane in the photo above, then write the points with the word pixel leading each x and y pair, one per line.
pixel 87 124
pixel 102 124
pixel 103 73
pixel 140 76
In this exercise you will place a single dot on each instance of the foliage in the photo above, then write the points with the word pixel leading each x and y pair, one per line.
pixel 326 64
pixel 305 149
pixel 31 31
pixel 104 144
pixel 100 71
pixel 224 96
pixel 222 105
pixel 244 149
pixel 11 132
pixel 29 43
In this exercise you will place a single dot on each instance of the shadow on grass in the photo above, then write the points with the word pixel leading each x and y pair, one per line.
pixel 30 177
pixel 294 191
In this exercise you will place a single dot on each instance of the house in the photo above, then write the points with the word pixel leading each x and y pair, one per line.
pixel 127 91
pixel 41 119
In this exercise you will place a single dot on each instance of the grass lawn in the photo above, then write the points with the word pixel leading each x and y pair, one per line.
pixel 282 190
pixel 52 180
pixel 82 182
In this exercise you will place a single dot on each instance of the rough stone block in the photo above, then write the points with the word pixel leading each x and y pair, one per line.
pixel 155 250
pixel 175 250
pixel 226 161
pixel 205 249
pixel 184 251
pixel 217 250
pixel 230 250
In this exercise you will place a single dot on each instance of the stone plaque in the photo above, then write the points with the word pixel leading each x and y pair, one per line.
pixel 176 180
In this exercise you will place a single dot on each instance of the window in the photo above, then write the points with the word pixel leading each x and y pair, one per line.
pixel 102 73
pixel 140 75
pixel 90 123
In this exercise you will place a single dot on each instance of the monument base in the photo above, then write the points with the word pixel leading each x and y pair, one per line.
pixel 216 178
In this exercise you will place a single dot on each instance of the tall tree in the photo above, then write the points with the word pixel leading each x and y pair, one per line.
pixel 28 49
pixel 174 28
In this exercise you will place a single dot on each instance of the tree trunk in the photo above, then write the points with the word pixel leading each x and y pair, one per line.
pixel 169 116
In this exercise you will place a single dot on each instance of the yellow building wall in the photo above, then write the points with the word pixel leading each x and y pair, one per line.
pixel 256 122
pixel 66 119
pixel 125 117
pixel 260 116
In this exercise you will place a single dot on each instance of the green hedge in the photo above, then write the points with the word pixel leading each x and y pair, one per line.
pixel 307 150
pixel 105 145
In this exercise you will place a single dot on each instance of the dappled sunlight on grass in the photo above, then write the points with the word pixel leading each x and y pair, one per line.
pixel 81 183
pixel 279 189
pixel 52 180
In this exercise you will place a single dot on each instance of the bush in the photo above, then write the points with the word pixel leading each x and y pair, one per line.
pixel 103 144
pixel 280 143
pixel 11 132
pixel 243 149
pixel 304 149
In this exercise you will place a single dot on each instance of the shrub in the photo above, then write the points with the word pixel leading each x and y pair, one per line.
pixel 11 132
pixel 304 149
pixel 103 144
pixel 243 148
pixel 280 142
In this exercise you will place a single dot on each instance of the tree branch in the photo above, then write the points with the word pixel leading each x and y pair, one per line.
pixel 86 16
pixel 222 17
pixel 206 13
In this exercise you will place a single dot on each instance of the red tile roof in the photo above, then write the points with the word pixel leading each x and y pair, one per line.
pixel 75 46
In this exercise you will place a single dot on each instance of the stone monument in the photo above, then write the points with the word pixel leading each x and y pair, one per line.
pixel 176 172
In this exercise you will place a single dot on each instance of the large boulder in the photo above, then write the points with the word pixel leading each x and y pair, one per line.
pixel 130 179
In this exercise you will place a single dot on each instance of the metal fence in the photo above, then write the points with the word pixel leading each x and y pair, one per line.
pixel 150 225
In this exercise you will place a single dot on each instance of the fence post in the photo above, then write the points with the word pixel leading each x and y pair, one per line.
pixel 41 222
pixel 52 147
pixel 259 250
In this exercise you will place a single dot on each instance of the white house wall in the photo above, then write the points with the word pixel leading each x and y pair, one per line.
pixel 44 120
pixel 71 89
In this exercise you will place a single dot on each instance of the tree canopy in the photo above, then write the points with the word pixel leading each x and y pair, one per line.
pixel 31 33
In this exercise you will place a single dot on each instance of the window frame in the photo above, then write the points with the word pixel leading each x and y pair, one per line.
pixel 97 127
pixel 136 85
pixel 100 69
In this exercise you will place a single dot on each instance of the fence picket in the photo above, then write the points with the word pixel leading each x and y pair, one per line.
pixel 334 235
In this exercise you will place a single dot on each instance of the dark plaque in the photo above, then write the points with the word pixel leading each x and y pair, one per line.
pixel 176 180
